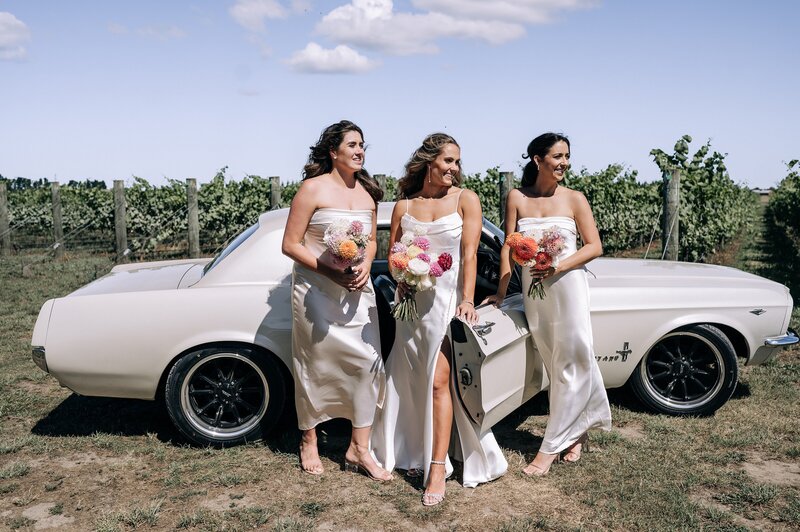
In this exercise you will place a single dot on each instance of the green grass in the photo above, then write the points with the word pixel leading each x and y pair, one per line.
pixel 112 464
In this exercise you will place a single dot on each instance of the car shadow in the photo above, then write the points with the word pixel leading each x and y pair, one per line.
pixel 86 416
pixel 741 391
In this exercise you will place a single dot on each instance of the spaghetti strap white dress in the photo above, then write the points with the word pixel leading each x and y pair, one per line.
pixel 336 355
pixel 402 436
pixel 561 327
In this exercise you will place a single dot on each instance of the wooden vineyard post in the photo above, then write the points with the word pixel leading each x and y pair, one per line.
pixel 274 193
pixel 671 222
pixel 5 226
pixel 382 238
pixel 58 227
pixel 506 184
pixel 120 227
pixel 193 220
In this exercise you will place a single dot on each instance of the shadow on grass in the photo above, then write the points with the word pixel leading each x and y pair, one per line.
pixel 86 416
pixel 741 391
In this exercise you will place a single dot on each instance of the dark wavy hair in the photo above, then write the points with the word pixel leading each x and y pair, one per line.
pixel 320 162
pixel 417 166
pixel 539 146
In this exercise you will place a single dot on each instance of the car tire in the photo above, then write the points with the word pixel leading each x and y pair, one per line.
pixel 225 395
pixel 691 371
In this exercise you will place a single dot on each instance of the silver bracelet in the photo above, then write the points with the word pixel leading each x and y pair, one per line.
pixel 469 303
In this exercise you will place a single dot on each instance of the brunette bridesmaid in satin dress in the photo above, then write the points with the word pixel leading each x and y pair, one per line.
pixel 559 323
pixel 337 364
pixel 413 428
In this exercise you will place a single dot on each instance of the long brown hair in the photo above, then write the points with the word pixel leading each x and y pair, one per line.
pixel 320 162
pixel 417 165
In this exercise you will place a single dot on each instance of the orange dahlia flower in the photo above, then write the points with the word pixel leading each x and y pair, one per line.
pixel 399 261
pixel 524 249
pixel 348 250
pixel 513 238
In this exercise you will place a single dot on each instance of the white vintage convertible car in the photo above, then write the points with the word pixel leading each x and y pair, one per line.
pixel 212 337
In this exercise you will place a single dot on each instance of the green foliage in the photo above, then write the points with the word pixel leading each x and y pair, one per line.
pixel 226 208
pixel 488 190
pixel 626 211
pixel 713 209
pixel 783 209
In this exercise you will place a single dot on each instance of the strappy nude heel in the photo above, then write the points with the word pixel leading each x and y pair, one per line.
pixel 353 467
pixel 432 499
pixel 533 470
pixel 573 454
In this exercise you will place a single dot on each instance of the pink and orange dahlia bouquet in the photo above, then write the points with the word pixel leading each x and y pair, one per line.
pixel 538 253
pixel 413 263
pixel 346 242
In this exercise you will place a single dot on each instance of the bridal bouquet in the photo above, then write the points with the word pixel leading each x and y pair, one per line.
pixel 346 241
pixel 412 262
pixel 539 254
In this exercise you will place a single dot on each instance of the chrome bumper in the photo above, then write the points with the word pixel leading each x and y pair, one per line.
pixel 38 356
pixel 790 338
pixel 770 347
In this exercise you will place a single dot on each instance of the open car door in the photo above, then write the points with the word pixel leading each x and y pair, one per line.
pixel 496 365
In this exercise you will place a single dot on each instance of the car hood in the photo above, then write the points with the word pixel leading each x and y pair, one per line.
pixel 142 276
pixel 658 273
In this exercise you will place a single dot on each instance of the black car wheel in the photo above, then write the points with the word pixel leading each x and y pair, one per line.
pixel 225 395
pixel 690 371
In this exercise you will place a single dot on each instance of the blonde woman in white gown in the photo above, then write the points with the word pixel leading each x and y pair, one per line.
pixel 337 364
pixel 413 428
pixel 559 323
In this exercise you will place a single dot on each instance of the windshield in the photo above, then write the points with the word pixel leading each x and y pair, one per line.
pixel 495 232
pixel 227 250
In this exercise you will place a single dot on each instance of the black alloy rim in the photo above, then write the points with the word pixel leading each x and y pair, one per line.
pixel 683 370
pixel 225 395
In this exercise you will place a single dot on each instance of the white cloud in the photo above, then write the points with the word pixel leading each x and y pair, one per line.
pixel 13 36
pixel 525 11
pixel 264 49
pixel 301 6
pixel 374 24
pixel 149 32
pixel 341 60
pixel 117 29
pixel 171 32
pixel 250 14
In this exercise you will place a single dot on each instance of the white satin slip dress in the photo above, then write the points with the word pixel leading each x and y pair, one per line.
pixel 562 330
pixel 336 355
pixel 402 437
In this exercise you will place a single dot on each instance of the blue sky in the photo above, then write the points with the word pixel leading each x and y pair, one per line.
pixel 111 89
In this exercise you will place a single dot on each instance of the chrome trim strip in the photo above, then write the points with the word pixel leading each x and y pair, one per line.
pixel 39 357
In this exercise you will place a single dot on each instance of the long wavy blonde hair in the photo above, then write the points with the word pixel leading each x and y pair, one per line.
pixel 417 166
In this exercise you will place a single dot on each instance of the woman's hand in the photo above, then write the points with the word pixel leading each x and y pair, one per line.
pixel 495 299
pixel 402 290
pixel 542 274
pixel 361 272
pixel 466 311
pixel 344 277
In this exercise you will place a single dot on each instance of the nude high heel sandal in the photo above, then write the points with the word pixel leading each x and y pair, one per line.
pixel 573 454
pixel 533 470
pixel 432 499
